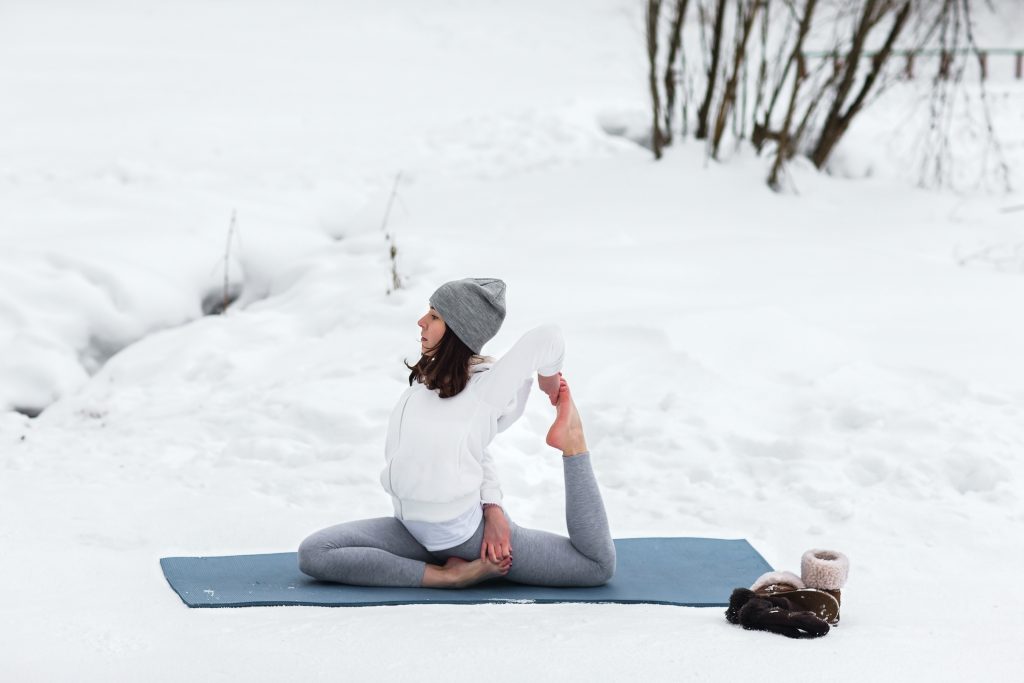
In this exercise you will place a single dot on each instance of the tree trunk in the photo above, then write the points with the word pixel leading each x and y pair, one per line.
pixel 762 68
pixel 675 42
pixel 784 145
pixel 744 27
pixel 716 54
pixel 838 121
pixel 653 12
pixel 762 130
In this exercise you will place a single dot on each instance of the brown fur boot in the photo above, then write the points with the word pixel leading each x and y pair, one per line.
pixel 825 570
pixel 790 586
pixel 773 613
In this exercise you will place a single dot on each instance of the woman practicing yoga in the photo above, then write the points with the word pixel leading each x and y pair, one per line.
pixel 449 529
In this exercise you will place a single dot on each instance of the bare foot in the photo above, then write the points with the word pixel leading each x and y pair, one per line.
pixel 462 573
pixel 566 434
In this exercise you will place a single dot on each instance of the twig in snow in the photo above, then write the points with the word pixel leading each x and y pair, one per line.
pixel 227 255
pixel 396 282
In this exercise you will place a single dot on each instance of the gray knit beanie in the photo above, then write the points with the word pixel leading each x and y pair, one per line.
pixel 474 308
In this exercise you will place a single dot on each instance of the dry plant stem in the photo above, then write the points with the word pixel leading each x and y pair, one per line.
pixel 227 254
pixel 937 137
pixel 396 281
pixel 391 202
pixel 992 140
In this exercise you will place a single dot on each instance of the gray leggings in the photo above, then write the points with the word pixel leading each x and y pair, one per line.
pixel 382 552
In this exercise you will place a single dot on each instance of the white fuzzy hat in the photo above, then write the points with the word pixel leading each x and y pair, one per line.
pixel 824 569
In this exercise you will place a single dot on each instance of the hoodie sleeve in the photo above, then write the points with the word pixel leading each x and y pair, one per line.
pixel 541 350
pixel 516 406
pixel 490 489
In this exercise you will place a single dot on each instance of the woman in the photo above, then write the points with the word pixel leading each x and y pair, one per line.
pixel 449 529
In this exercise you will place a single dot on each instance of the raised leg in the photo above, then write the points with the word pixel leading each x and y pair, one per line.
pixel 587 557
pixel 541 558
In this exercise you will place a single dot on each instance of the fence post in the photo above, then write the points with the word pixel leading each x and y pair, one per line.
pixel 908 69
pixel 1020 65
pixel 983 62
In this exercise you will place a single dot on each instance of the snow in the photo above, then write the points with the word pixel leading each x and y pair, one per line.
pixel 837 366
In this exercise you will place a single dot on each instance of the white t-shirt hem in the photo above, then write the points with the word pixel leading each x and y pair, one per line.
pixel 443 535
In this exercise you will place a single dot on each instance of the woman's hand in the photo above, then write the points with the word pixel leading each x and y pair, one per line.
pixel 497 543
pixel 549 385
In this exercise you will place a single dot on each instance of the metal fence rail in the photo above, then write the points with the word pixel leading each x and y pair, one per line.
pixel 945 58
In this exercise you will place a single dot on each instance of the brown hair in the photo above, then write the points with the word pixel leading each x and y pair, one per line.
pixel 448 369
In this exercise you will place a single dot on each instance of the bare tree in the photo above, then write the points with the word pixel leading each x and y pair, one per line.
pixel 951 26
pixel 991 140
pixel 804 108
pixel 839 116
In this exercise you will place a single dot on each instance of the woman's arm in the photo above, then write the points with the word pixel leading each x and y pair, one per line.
pixel 541 350
pixel 490 489
pixel 497 543
pixel 514 410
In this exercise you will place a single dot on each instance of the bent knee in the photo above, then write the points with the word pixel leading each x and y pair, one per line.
pixel 599 573
pixel 605 572
pixel 605 569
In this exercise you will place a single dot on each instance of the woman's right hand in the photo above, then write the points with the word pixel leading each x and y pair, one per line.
pixel 549 385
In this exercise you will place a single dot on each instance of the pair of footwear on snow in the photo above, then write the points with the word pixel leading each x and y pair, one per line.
pixel 795 606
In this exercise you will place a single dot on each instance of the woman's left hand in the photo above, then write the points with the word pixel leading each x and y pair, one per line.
pixel 497 543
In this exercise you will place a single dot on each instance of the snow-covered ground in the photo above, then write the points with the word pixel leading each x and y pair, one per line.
pixel 837 367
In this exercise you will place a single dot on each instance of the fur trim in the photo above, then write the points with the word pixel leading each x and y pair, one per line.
pixel 824 569
pixel 739 597
pixel 773 578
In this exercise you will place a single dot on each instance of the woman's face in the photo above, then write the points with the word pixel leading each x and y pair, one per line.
pixel 431 330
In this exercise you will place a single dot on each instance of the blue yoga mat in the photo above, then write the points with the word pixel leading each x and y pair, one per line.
pixel 696 572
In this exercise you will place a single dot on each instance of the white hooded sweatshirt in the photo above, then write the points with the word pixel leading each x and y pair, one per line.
pixel 438 467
